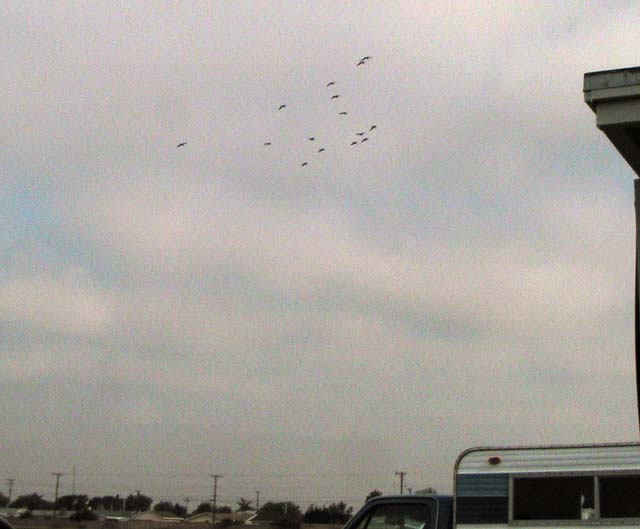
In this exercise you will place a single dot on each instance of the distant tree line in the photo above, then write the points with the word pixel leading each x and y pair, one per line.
pixel 133 502
pixel 174 509
pixel 336 513
pixel 81 503
pixel 373 494
pixel 31 502
pixel 288 515
pixel 284 515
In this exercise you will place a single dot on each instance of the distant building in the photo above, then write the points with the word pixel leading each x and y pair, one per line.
pixel 236 518
pixel 114 516
pixel 156 516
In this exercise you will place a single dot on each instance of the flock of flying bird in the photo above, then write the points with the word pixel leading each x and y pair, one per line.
pixel 361 135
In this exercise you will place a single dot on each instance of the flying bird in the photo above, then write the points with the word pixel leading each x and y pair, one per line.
pixel 331 83
pixel 311 138
pixel 354 143
pixel 181 144
pixel 281 107
pixel 303 164
pixel 343 113
pixel 267 143
pixel 372 127
pixel 321 149
pixel 360 133
pixel 366 58
pixel 360 63
pixel 364 139
pixel 335 96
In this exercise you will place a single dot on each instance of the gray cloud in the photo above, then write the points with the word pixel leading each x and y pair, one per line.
pixel 464 277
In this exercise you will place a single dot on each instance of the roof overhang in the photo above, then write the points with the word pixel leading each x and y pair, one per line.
pixel 614 96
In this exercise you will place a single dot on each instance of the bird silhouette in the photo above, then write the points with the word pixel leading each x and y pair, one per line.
pixel 354 143
pixel 303 164
pixel 335 96
pixel 360 133
pixel 181 144
pixel 360 63
pixel 331 83
pixel 311 138
pixel 343 113
pixel 364 139
pixel 372 127
pixel 267 143
pixel 281 107
pixel 321 149
pixel 366 58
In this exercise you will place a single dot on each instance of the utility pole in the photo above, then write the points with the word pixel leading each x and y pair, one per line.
pixel 215 496
pixel 402 475
pixel 187 500
pixel 55 504
pixel 10 482
pixel 257 501
pixel 73 482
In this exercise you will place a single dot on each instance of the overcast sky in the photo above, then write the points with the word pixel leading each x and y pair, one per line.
pixel 462 278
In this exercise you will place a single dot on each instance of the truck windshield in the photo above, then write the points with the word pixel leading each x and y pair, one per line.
pixel 397 516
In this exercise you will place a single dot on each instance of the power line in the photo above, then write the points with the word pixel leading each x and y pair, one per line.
pixel 55 505
pixel 215 495
pixel 238 476
pixel 10 482
pixel 282 490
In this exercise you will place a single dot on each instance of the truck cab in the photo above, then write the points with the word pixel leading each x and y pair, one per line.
pixel 405 512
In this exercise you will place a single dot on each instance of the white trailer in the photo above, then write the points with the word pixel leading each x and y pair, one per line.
pixel 535 486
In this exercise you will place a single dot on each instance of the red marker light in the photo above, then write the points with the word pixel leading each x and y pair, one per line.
pixel 494 460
